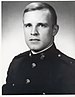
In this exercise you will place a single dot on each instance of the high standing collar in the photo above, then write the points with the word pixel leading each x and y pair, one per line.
pixel 42 50
pixel 51 51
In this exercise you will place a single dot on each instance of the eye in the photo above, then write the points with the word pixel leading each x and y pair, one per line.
pixel 42 25
pixel 28 25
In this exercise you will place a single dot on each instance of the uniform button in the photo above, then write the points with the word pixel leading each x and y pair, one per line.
pixel 42 57
pixel 43 93
pixel 27 81
pixel 30 54
pixel 71 62
pixel 33 65
pixel 59 55
pixel 13 85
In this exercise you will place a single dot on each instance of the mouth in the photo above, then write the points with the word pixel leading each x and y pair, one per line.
pixel 34 40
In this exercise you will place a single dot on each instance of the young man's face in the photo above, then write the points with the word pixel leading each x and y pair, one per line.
pixel 38 29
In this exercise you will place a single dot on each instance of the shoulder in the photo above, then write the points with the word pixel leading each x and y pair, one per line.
pixel 67 68
pixel 22 55
pixel 65 58
pixel 19 59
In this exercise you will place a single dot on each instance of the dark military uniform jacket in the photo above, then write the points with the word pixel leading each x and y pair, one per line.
pixel 49 72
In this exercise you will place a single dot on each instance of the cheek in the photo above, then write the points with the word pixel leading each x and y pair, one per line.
pixel 27 31
pixel 46 36
pixel 26 36
pixel 46 33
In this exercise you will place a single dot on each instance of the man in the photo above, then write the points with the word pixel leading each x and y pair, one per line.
pixel 43 69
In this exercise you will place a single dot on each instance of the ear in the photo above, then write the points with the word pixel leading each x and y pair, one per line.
pixel 55 29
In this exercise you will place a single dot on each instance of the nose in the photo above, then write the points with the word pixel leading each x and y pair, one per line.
pixel 34 31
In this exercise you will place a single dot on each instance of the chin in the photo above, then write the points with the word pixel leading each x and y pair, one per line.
pixel 35 49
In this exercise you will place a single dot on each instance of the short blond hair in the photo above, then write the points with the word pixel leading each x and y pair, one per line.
pixel 39 6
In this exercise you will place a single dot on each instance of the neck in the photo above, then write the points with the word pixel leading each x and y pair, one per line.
pixel 33 52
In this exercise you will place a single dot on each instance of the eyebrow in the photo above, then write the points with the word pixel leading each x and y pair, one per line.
pixel 40 23
pixel 43 23
pixel 25 24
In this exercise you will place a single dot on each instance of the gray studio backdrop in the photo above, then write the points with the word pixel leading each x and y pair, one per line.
pixel 13 41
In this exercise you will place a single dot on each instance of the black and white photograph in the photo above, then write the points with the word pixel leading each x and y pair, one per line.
pixel 38 49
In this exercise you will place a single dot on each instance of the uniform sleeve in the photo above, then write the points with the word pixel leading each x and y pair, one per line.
pixel 7 89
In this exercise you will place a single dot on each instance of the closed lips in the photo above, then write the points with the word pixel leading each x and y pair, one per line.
pixel 34 40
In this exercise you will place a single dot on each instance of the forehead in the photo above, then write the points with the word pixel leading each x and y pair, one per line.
pixel 37 15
